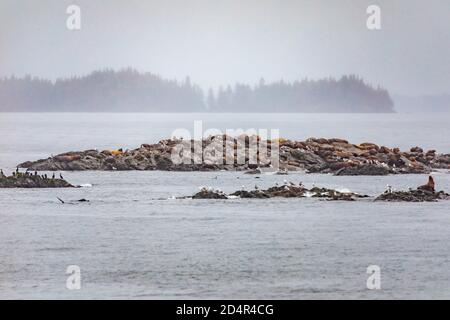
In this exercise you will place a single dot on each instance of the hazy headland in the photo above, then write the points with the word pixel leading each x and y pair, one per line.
pixel 128 90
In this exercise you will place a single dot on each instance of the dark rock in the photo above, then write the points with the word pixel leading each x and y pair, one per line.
pixel 364 170
pixel 296 191
pixel 250 194
pixel 424 193
pixel 413 196
pixel 26 180
pixel 306 157
pixel 253 171
pixel 209 194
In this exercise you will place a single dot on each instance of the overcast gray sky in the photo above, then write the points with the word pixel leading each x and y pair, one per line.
pixel 224 41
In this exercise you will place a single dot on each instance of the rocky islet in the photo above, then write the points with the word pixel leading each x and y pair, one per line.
pixel 32 180
pixel 336 156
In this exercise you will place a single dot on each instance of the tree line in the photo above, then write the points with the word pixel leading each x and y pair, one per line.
pixel 131 91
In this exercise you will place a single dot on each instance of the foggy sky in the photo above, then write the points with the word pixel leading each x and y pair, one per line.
pixel 225 41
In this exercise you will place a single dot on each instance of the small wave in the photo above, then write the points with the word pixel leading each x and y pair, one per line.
pixel 86 185
pixel 57 249
pixel 309 194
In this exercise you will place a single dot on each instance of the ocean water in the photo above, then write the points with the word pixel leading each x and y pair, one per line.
pixel 133 241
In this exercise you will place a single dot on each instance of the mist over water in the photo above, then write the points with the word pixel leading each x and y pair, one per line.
pixel 233 41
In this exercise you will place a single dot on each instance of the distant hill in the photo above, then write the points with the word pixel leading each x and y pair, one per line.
pixel 131 91
pixel 348 94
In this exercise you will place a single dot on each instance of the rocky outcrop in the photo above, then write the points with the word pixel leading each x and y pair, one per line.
pixel 424 193
pixel 206 193
pixel 285 191
pixel 26 180
pixel 364 170
pixel 336 156
pixel 413 196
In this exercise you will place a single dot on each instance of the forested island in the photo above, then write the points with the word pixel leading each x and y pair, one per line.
pixel 131 91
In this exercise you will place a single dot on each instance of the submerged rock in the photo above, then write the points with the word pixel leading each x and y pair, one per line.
pixel 26 180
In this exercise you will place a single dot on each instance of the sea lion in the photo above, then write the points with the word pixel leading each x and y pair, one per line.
pixel 429 186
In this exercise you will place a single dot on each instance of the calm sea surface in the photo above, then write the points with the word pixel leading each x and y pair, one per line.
pixel 132 241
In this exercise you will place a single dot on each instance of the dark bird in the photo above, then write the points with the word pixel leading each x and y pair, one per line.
pixel 53 176
pixel 429 186
pixel 61 177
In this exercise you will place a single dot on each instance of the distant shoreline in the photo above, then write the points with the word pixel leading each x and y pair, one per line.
pixel 204 112
pixel 130 90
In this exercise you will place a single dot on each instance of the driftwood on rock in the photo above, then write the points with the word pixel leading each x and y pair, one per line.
pixel 336 156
